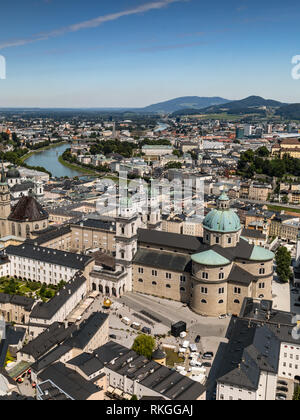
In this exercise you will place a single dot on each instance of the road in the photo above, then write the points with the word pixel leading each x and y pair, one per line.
pixel 268 203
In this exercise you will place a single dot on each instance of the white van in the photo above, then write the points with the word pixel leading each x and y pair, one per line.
pixel 126 320
pixel 185 344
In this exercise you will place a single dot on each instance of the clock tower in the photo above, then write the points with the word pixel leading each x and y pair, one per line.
pixel 5 208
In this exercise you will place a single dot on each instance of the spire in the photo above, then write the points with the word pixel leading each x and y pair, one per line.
pixel 3 176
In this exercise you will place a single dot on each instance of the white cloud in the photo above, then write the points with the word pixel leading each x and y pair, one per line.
pixel 92 23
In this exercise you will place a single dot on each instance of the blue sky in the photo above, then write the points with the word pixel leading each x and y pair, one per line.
pixel 103 53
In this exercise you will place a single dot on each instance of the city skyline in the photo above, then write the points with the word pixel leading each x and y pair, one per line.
pixel 135 53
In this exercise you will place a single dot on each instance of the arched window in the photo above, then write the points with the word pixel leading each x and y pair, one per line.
pixel 154 283
pixel 237 301
pixel 221 301
pixel 168 286
pixel 203 301
pixel 261 296
pixel 141 281
pixel 182 289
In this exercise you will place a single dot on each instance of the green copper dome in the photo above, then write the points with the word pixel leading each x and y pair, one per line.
pixel 261 254
pixel 222 219
pixel 210 257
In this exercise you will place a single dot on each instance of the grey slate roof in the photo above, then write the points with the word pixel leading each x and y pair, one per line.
pixel 23 301
pixel 252 349
pixel 98 224
pixel 50 234
pixel 69 381
pixel 53 336
pixel 240 276
pixel 163 260
pixel 50 256
pixel 88 363
pixel 46 310
pixel 158 378
pixel 189 244
pixel 253 233
pixel 87 331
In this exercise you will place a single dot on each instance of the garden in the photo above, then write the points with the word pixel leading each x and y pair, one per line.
pixel 35 290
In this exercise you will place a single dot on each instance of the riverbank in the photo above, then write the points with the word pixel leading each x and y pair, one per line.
pixel 42 149
pixel 78 168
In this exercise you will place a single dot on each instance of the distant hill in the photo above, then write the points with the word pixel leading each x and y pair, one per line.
pixel 186 102
pixel 290 112
pixel 251 104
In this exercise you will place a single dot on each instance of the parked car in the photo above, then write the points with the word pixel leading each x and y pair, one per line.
pixel 282 388
pixel 207 364
pixel 208 355
pixel 282 383
pixel 197 339
pixel 146 330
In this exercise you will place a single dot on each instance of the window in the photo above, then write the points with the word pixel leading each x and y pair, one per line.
pixel 261 271
pixel 141 281
pixel 182 279
pixel 182 289
pixel 168 286
pixel 237 290
pixel 229 240
pixel 141 270
pixel 217 240
pixel 204 290
pixel 154 273
pixel 154 283
pixel 261 285
pixel 237 301
pixel 168 275
pixel 221 276
pixel 205 275
pixel 221 301
pixel 221 290
pixel 203 301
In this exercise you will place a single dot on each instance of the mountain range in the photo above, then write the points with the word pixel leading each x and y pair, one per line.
pixel 185 102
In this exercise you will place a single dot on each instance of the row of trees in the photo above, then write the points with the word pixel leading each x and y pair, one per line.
pixel 283 261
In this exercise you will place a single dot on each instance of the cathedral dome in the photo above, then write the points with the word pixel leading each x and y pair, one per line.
pixel 222 219
pixel 13 173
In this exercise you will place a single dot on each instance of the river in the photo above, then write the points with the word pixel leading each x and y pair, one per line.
pixel 161 127
pixel 49 160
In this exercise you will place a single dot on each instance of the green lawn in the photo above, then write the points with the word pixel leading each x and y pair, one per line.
pixel 286 209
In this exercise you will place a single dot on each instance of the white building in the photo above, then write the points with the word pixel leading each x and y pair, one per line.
pixel 46 265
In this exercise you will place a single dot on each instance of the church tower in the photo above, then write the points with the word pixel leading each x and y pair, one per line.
pixel 126 238
pixel 5 208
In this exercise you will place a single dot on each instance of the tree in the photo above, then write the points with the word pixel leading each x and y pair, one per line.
pixel 173 165
pixel 283 260
pixel 144 345
pixel 296 396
